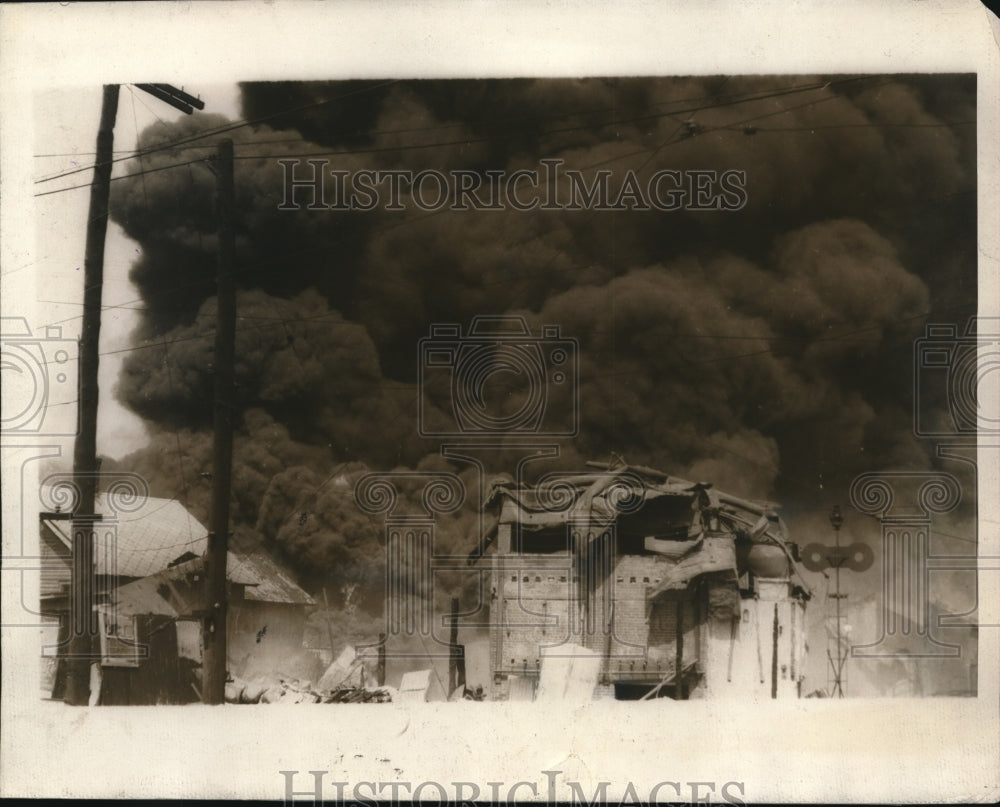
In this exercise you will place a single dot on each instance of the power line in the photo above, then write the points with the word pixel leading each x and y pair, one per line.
pixel 229 127
pixel 440 127
pixel 467 141
pixel 550 132
pixel 872 125
pixel 765 95
pixel 126 176
pixel 410 130
pixel 137 153
pixel 443 144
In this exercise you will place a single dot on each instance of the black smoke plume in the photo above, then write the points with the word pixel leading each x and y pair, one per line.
pixel 768 350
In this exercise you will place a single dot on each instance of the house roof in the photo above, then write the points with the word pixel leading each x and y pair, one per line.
pixel 158 532
pixel 146 540
pixel 275 584
pixel 179 590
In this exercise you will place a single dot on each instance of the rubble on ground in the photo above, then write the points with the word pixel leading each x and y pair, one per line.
pixel 293 691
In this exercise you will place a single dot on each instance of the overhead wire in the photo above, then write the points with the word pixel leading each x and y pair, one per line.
pixel 239 124
pixel 438 127
pixel 463 141
pixel 228 127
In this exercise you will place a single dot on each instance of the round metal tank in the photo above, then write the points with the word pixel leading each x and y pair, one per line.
pixel 767 560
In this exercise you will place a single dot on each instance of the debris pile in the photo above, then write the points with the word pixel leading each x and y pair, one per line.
pixel 359 695
pixel 294 690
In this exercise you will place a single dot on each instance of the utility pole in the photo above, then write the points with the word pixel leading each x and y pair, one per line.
pixel 456 655
pixel 214 625
pixel 83 632
pixel 83 619
pixel 380 669
pixel 329 625
pixel 837 560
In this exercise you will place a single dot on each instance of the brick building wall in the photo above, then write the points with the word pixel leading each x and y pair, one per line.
pixel 752 648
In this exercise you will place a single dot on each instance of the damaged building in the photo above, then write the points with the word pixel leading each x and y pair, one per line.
pixel 149 579
pixel 681 590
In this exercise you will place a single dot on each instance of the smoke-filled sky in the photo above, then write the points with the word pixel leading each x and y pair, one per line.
pixel 767 349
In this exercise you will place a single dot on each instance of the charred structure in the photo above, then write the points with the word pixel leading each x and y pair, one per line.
pixel 684 591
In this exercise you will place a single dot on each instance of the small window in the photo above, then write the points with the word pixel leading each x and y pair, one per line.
pixel 118 645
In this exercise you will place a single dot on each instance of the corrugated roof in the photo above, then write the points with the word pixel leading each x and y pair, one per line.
pixel 146 540
pixel 159 531
pixel 276 583
pixel 179 590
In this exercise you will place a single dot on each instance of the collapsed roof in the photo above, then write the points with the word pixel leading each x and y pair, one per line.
pixel 179 591
pixel 604 496
pixel 669 515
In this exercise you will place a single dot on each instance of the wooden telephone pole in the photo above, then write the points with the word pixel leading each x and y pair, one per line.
pixel 83 619
pixel 214 625
pixel 83 647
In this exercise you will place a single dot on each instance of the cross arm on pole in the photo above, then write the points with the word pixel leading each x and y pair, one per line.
pixel 169 94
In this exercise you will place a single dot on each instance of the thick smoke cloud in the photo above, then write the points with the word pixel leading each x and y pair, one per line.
pixel 768 350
